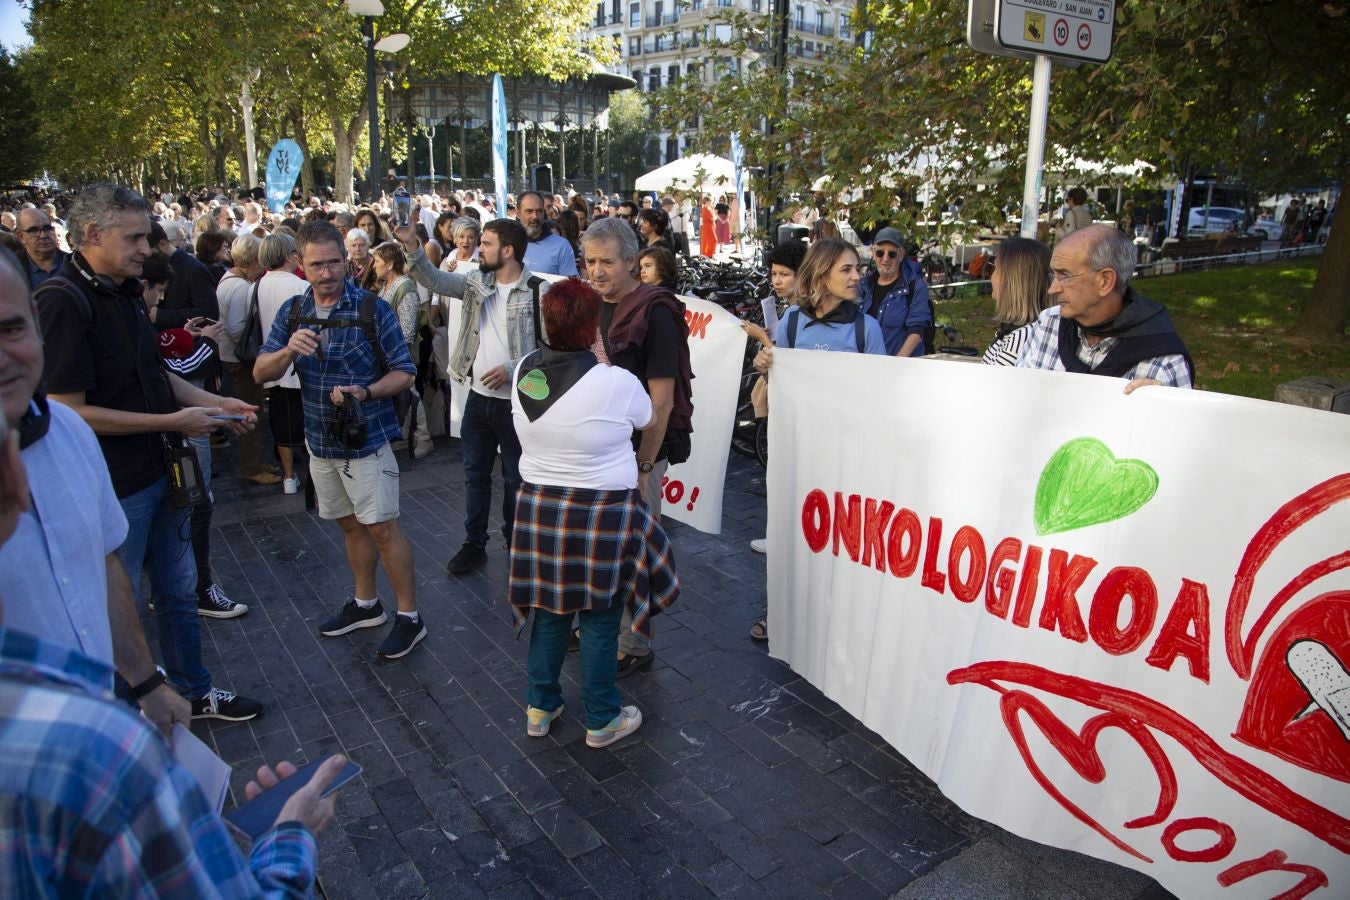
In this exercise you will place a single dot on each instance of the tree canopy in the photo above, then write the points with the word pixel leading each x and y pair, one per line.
pixel 120 83
pixel 1257 89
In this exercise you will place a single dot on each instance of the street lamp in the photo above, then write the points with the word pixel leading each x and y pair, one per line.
pixel 369 10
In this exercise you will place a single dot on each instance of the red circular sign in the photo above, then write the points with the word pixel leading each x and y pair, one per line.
pixel 1061 32
pixel 1084 36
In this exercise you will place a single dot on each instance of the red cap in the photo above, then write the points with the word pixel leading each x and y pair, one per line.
pixel 175 343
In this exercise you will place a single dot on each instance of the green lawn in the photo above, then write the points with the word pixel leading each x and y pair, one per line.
pixel 1233 320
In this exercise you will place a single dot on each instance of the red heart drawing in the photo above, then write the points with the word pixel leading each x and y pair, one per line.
pixel 1271 718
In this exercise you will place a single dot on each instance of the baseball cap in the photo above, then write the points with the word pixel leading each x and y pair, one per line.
pixel 889 235
pixel 175 343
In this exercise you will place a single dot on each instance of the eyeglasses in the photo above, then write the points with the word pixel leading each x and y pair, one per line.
pixel 327 266
pixel 885 254
pixel 39 229
pixel 1062 277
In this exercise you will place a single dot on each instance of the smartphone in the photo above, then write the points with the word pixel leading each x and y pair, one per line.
pixel 202 322
pixel 227 417
pixel 257 816
pixel 402 207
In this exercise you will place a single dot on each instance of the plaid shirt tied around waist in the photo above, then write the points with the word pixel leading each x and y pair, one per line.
pixel 577 548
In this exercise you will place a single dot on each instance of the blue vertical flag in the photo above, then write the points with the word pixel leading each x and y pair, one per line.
pixel 283 167
pixel 499 136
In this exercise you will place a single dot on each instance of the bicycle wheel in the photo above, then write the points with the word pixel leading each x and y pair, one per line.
pixel 762 441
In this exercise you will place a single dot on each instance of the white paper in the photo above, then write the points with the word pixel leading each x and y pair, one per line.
pixel 212 772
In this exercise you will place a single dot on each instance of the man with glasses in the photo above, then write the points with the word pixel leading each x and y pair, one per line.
pixel 1097 324
pixel 355 477
pixel 38 236
pixel 896 295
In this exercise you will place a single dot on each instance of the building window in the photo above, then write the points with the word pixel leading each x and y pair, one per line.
pixel 635 15
pixel 672 148
pixel 615 12
pixel 672 74
pixel 635 46
pixel 655 80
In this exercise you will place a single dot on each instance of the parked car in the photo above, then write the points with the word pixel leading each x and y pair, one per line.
pixel 1267 228
pixel 1221 219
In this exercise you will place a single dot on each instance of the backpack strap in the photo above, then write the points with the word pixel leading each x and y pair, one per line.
pixel 534 283
pixel 792 326
pixel 61 284
pixel 860 330
pixel 367 323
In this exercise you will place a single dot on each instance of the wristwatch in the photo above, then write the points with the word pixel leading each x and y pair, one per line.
pixel 149 684
pixel 367 397
pixel 644 467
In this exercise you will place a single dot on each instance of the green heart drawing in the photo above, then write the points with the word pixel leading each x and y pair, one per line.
pixel 534 384
pixel 1084 484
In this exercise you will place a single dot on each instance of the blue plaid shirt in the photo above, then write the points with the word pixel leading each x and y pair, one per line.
pixel 345 357
pixel 1041 351
pixel 92 802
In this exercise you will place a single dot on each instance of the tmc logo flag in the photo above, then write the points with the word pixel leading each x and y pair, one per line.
pixel 283 167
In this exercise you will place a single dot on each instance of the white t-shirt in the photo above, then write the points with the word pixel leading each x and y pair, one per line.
pixel 493 349
pixel 274 289
pixel 585 438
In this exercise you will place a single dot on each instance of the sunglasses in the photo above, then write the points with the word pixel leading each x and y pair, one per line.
pixel 885 254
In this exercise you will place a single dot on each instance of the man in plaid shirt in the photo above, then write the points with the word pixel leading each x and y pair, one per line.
pixel 1098 324
pixel 338 359
pixel 91 798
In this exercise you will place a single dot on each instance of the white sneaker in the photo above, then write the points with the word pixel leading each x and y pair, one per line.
pixel 621 726
pixel 290 485
pixel 760 545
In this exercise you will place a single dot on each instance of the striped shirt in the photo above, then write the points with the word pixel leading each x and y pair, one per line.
pixel 345 358
pixel 1005 350
pixel 1041 351
pixel 92 802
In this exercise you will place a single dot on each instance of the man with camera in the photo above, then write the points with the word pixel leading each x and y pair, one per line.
pixel 102 361
pixel 350 355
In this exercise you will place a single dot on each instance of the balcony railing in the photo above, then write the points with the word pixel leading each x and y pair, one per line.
pixel 658 21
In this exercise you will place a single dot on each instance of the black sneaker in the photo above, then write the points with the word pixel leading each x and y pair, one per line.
pixel 213 603
pixel 403 637
pixel 352 617
pixel 469 557
pixel 633 663
pixel 218 704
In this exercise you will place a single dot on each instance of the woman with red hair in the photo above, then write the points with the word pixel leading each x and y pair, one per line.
pixel 585 543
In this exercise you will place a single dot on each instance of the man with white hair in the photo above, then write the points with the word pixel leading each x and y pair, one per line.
pixel 429 208
pixel 1097 324
pixel 252 218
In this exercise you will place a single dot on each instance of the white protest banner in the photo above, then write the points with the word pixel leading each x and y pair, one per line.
pixel 693 489
pixel 1115 624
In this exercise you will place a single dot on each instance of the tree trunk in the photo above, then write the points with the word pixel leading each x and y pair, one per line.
pixel 345 136
pixel 1324 318
pixel 301 137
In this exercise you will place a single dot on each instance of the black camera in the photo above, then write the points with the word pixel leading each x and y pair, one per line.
pixel 348 427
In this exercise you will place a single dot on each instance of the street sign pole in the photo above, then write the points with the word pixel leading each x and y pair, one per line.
pixel 1040 109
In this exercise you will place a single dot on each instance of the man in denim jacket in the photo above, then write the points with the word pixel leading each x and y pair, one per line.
pixel 497 329
pixel 897 296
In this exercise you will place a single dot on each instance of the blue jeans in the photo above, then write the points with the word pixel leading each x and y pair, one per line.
pixel 599 668
pixel 487 425
pixel 157 540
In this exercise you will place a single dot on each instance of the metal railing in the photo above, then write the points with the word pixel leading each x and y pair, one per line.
pixel 667 19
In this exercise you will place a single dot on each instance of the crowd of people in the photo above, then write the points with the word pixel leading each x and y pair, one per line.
pixel 142 336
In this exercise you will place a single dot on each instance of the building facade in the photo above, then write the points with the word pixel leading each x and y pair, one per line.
pixel 660 41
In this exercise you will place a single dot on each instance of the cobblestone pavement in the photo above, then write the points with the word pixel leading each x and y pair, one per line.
pixel 743 780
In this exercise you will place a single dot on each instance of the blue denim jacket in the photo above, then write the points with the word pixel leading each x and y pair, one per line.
pixel 474 288
pixel 900 313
